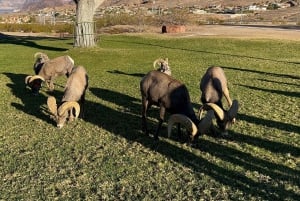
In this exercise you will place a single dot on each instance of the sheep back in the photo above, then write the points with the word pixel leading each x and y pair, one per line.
pixel 212 84
pixel 58 66
pixel 162 90
pixel 76 84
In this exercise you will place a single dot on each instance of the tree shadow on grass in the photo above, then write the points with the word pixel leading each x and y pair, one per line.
pixel 28 41
pixel 270 123
pixel 203 51
pixel 278 82
pixel 280 92
pixel 275 147
pixel 126 123
pixel 124 73
pixel 262 72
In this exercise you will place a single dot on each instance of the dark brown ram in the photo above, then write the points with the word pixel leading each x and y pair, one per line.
pixel 171 96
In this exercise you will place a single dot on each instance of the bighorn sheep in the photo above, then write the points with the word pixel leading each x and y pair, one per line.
pixel 47 70
pixel 170 95
pixel 213 86
pixel 72 103
pixel 162 65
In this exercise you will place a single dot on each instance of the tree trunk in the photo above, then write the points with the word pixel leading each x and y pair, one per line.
pixel 85 25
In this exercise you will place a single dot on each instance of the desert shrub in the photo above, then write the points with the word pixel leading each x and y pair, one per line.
pixel 36 28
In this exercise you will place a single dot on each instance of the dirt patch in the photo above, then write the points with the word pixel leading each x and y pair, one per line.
pixel 224 31
pixel 246 31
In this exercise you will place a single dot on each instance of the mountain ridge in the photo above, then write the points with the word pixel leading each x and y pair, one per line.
pixel 27 5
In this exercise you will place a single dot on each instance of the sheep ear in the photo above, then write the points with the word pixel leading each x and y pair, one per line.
pixel 206 122
pixel 51 102
pixel 233 110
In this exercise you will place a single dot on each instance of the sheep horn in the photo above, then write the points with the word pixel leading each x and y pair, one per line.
pixel 27 78
pixel 157 61
pixel 32 78
pixel 68 105
pixel 37 54
pixel 185 121
pixel 219 111
pixel 206 122
pixel 40 54
pixel 51 102
pixel 232 112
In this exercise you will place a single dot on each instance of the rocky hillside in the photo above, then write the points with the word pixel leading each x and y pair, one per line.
pixel 40 4
pixel 201 3
pixel 31 4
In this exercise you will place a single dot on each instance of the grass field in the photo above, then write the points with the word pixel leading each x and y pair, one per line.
pixel 107 157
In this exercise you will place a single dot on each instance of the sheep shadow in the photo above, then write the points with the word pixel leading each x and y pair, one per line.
pixel 31 104
pixel 124 122
pixel 130 105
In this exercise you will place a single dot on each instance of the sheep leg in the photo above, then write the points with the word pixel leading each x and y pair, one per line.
pixel 144 116
pixel 71 116
pixel 179 131
pixel 200 112
pixel 82 101
pixel 162 112
pixel 158 128
pixel 47 83
pixel 51 85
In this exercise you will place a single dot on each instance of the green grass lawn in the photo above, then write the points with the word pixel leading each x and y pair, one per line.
pixel 107 157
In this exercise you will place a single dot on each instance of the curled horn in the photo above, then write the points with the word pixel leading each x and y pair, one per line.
pixel 219 111
pixel 38 54
pixel 32 78
pixel 51 102
pixel 156 62
pixel 41 55
pixel 232 112
pixel 185 121
pixel 68 105
pixel 27 78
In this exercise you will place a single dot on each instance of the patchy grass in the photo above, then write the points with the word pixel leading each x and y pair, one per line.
pixel 107 157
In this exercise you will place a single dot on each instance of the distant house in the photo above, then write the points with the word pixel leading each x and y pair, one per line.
pixel 257 8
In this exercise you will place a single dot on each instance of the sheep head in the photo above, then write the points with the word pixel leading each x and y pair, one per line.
pixel 65 112
pixel 35 83
pixel 40 59
pixel 194 130
pixel 162 65
pixel 224 118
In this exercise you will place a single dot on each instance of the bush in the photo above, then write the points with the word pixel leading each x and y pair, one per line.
pixel 36 28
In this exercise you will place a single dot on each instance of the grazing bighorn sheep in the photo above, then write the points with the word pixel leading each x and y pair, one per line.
pixel 213 86
pixel 162 65
pixel 72 103
pixel 48 69
pixel 170 95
